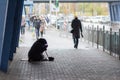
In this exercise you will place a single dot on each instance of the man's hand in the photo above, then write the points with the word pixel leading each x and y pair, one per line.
pixel 81 34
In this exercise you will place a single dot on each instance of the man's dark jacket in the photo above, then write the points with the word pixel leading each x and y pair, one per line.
pixel 77 27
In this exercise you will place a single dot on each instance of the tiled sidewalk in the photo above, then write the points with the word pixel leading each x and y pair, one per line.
pixel 69 64
pixel 84 63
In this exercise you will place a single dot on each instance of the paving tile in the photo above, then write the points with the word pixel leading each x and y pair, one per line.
pixel 84 63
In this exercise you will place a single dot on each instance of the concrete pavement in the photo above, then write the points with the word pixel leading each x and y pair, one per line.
pixel 84 63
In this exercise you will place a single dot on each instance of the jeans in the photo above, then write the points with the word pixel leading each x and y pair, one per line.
pixel 76 41
pixel 41 33
pixel 37 32
pixel 22 29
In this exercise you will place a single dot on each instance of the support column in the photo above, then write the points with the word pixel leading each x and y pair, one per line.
pixel 3 14
pixel 31 9
pixel 23 12
pixel 19 10
pixel 114 9
pixel 10 16
pixel 16 30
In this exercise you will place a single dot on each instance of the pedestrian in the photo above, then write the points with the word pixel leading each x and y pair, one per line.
pixel 76 29
pixel 28 21
pixel 23 23
pixel 37 23
pixel 42 27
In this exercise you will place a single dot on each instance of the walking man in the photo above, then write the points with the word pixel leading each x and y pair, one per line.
pixel 76 29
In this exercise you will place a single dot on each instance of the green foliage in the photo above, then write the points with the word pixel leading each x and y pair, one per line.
pixel 95 9
pixel 85 9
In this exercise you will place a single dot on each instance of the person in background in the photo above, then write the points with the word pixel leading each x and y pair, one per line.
pixel 42 27
pixel 28 21
pixel 36 24
pixel 23 25
pixel 76 29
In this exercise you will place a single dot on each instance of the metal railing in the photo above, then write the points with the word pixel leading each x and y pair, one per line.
pixel 107 40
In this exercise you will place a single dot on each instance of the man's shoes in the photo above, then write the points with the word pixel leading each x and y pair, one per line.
pixel 75 47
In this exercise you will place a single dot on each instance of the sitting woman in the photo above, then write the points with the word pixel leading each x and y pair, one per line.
pixel 37 49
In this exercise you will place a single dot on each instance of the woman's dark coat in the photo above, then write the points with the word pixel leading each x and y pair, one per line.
pixel 77 27
pixel 37 49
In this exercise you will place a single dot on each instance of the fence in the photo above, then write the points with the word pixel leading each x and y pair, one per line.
pixel 107 40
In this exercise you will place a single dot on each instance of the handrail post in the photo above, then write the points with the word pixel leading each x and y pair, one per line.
pixel 97 36
pixel 92 35
pixel 103 38
pixel 119 44
pixel 115 34
pixel 88 34
pixel 110 41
